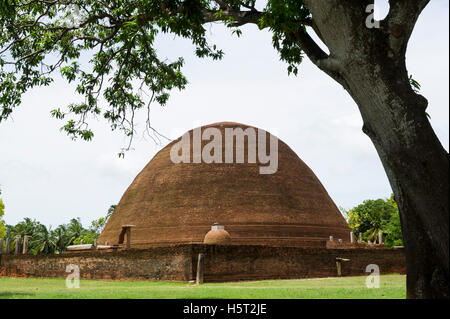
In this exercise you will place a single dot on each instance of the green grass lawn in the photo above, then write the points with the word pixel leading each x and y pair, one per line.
pixel 391 287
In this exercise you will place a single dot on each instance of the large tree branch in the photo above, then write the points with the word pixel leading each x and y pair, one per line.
pixel 250 16
pixel 310 47
pixel 320 58
pixel 240 17
pixel 400 22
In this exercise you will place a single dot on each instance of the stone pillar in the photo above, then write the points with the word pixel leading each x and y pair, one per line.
pixel 128 237
pixel 360 238
pixel 352 237
pixel 17 248
pixel 1 246
pixel 7 244
pixel 339 268
pixel 380 237
pixel 199 279
pixel 339 262
pixel 25 245
pixel 126 230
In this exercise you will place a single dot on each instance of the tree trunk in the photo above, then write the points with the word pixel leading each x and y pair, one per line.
pixel 417 167
pixel 370 65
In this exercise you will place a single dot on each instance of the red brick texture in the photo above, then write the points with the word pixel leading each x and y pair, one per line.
pixel 178 203
pixel 161 263
pixel 233 263
pixel 222 263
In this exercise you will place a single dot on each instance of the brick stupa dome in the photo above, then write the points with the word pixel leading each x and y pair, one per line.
pixel 177 203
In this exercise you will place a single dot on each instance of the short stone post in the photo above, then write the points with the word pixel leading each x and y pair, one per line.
pixel 331 238
pixel 7 244
pixel 25 245
pixel 340 241
pixel 17 248
pixel 380 237
pixel 1 246
pixel 339 262
pixel 81 242
pixel 199 279
pixel 352 237
pixel 339 267
pixel 360 238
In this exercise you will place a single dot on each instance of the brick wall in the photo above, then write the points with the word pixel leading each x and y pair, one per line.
pixel 222 263
pixel 161 263
pixel 230 263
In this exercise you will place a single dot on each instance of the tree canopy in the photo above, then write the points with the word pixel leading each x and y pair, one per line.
pixel 375 216
pixel 40 38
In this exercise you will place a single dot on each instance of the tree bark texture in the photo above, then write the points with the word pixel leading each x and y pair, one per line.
pixel 370 65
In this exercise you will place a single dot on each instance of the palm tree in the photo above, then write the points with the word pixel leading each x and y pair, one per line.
pixel 75 228
pixel 374 230
pixel 62 237
pixel 27 227
pixel 44 241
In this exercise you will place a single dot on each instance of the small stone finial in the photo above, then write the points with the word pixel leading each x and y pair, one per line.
pixel 216 225
pixel 340 241
pixel 331 238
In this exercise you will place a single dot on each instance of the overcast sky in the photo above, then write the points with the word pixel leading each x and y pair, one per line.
pixel 46 176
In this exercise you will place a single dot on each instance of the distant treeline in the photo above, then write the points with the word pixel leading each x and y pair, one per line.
pixel 369 218
pixel 44 240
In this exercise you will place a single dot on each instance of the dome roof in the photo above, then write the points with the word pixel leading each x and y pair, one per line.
pixel 217 236
pixel 177 203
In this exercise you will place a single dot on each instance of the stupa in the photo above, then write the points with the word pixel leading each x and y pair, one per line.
pixel 174 203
